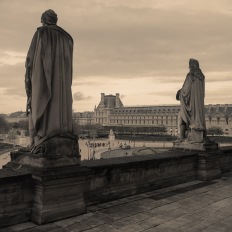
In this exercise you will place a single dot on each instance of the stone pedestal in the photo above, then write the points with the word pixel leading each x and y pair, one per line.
pixel 58 193
pixel 208 166
pixel 186 145
pixel 204 145
pixel 58 179
pixel 16 190
pixel 37 161
pixel 55 152
pixel 196 136
pixel 209 156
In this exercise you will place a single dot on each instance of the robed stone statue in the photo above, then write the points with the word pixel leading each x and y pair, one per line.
pixel 191 120
pixel 48 83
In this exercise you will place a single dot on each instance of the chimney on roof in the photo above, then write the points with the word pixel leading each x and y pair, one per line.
pixel 117 101
pixel 102 97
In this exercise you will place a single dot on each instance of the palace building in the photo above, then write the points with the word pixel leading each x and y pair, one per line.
pixel 111 112
pixel 84 118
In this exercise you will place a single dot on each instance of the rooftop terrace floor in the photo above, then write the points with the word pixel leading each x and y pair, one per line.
pixel 194 206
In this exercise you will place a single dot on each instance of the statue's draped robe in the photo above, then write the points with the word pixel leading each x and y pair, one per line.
pixel 49 61
pixel 192 102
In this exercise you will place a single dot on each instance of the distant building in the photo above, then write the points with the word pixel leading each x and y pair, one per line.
pixel 84 118
pixel 219 115
pixel 16 117
pixel 111 112
pixel 105 108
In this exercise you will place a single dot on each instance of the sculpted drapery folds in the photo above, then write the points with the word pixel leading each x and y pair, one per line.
pixel 48 81
pixel 191 96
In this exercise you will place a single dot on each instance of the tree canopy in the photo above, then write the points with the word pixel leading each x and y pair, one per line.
pixel 4 125
pixel 215 130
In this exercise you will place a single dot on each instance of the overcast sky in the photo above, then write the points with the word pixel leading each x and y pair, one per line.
pixel 138 48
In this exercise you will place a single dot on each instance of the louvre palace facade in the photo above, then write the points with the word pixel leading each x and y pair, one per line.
pixel 111 112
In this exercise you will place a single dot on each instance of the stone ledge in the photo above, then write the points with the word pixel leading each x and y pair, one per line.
pixel 168 155
pixel 49 173
pixel 95 181
pixel 202 146
pixel 38 161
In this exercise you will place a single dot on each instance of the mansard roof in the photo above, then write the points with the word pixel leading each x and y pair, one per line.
pixel 147 109
pixel 225 109
pixel 210 110
pixel 110 102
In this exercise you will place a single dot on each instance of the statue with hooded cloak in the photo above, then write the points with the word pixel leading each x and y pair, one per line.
pixel 192 109
pixel 191 118
pixel 48 83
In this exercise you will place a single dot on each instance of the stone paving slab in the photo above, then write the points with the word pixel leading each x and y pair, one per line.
pixel 190 207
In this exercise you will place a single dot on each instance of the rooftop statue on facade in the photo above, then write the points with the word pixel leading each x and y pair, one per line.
pixel 48 83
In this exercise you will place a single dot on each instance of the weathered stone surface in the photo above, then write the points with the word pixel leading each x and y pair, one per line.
pixel 61 192
pixel 15 197
pixel 143 213
pixel 205 145
pixel 55 152
pixel 191 118
pixel 40 162
pixel 48 81
pixel 121 177
pixel 57 199
pixel 57 191
pixel 209 166
pixel 226 159
pixel 58 146
pixel 196 136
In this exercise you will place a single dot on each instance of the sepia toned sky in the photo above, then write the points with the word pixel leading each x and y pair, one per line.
pixel 138 48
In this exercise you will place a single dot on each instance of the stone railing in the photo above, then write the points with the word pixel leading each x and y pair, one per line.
pixel 121 177
pixel 38 195
pixel 16 192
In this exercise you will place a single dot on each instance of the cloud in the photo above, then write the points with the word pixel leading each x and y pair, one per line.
pixel 11 57
pixel 78 96
pixel 208 5
pixel 85 81
pixel 143 42
pixel 133 39
pixel 12 75
pixel 125 42
pixel 15 91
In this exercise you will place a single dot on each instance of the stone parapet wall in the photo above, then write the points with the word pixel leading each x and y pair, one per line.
pixel 16 192
pixel 37 197
pixel 121 177
pixel 226 159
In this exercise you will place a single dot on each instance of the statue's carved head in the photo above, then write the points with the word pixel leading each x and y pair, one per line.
pixel 195 70
pixel 193 64
pixel 49 17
